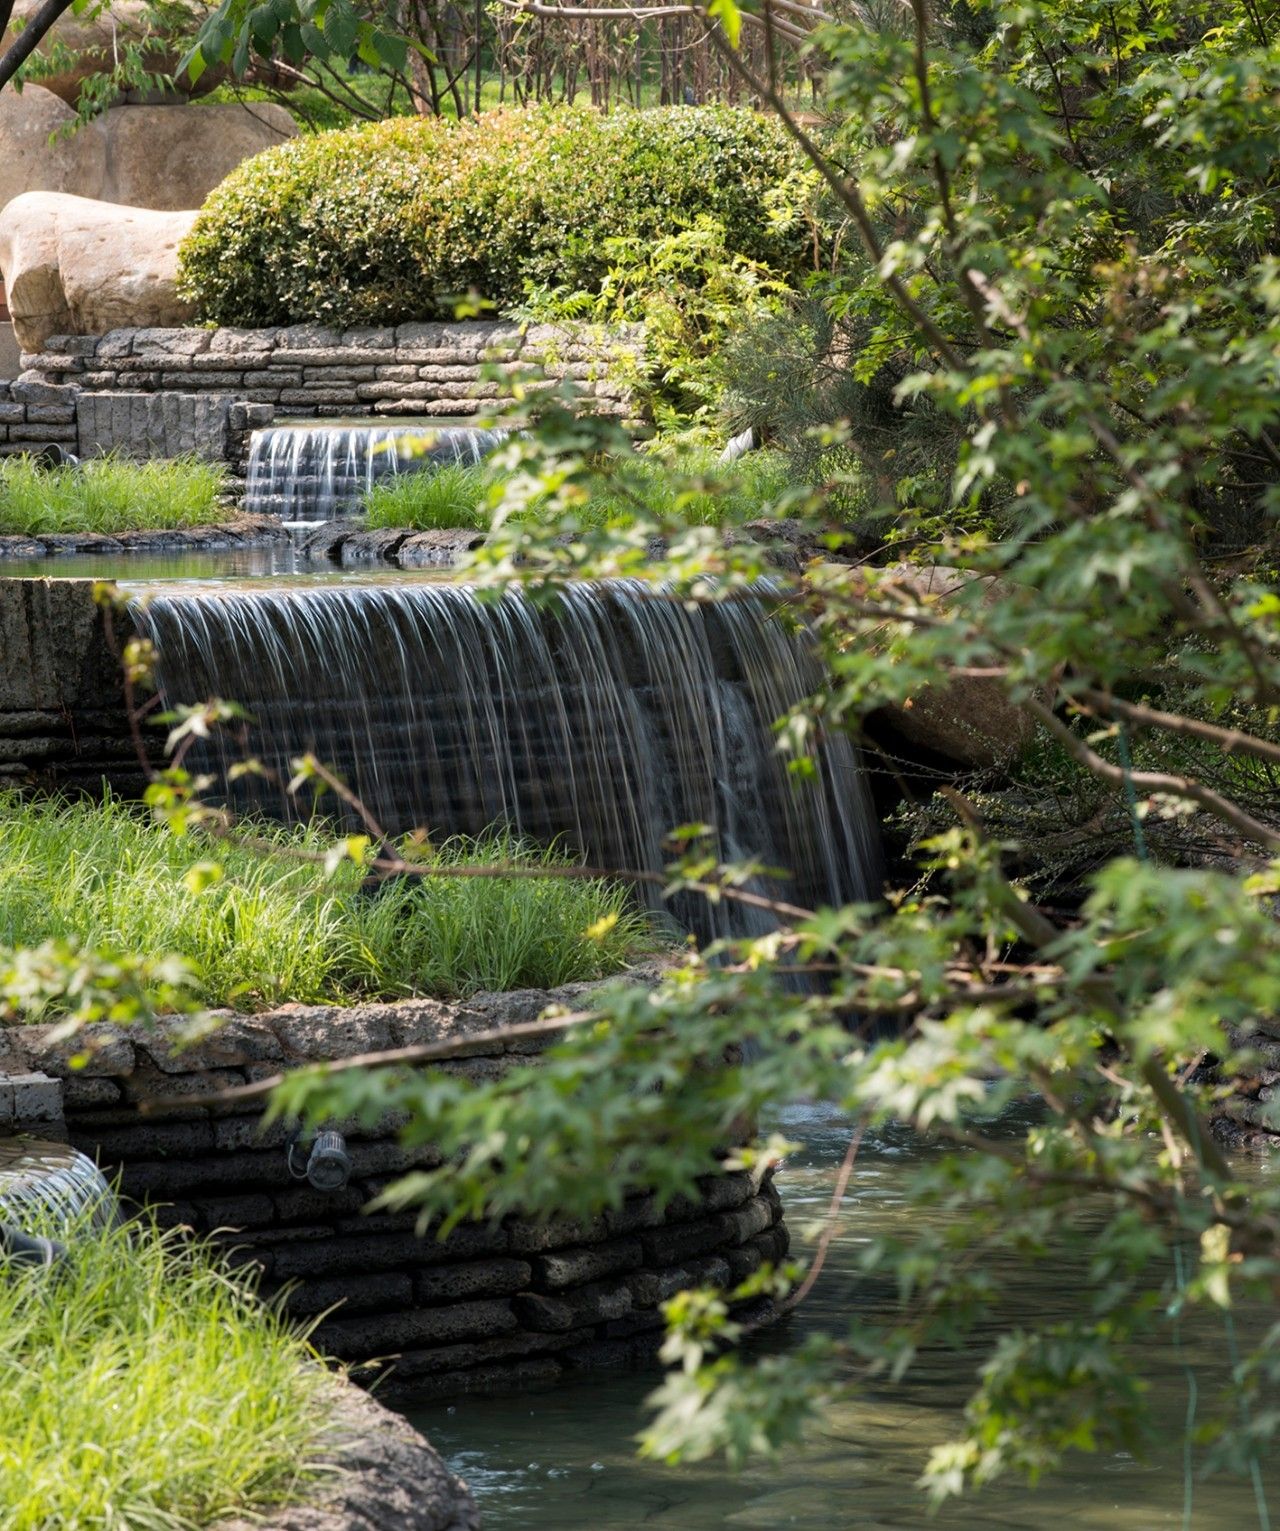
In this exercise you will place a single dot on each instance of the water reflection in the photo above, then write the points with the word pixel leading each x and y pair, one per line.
pixel 565 1457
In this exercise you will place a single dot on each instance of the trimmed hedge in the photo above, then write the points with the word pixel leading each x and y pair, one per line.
pixel 396 220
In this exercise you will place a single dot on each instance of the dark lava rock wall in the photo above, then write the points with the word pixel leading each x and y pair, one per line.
pixel 491 1304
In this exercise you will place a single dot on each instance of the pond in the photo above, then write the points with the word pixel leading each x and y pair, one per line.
pixel 274 564
pixel 564 1458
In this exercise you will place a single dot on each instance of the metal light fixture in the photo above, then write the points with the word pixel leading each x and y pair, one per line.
pixel 328 1164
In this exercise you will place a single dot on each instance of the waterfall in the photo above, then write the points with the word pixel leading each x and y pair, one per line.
pixel 51 1187
pixel 606 720
pixel 319 472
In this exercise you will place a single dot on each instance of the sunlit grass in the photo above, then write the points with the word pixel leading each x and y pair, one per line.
pixel 682 484
pixel 452 495
pixel 275 928
pixel 108 494
pixel 145 1388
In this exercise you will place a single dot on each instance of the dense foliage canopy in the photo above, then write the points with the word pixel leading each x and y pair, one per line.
pixel 401 220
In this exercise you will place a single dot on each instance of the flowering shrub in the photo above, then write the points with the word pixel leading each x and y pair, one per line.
pixel 397 220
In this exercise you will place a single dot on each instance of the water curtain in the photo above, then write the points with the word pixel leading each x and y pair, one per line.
pixel 603 721
pixel 319 472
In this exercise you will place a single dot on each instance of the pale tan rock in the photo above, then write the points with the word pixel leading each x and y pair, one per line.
pixel 970 720
pixel 73 266
pixel 171 157
pixel 97 39
pixel 163 157
pixel 36 152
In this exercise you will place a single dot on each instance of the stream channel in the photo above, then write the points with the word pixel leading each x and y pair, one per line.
pixel 565 1457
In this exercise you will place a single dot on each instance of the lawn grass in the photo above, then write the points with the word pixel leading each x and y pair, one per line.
pixel 274 928
pixel 144 1387
pixel 685 484
pixel 107 494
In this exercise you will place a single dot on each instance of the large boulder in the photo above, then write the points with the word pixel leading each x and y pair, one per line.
pixel 171 157
pixel 73 266
pixel 38 150
pixel 76 47
pixel 166 157
pixel 970 720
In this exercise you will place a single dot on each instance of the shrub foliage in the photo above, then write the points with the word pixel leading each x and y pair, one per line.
pixel 398 220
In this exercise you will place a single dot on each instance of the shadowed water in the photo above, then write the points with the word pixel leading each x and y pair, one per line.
pixel 319 472
pixel 564 1458
pixel 606 721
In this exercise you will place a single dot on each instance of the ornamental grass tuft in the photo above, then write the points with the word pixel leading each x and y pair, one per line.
pixel 107 494
pixel 146 1389
pixel 269 928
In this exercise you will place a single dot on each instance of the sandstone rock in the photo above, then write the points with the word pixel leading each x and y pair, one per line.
pixel 95 39
pixel 171 157
pixel 165 158
pixel 970 720
pixel 80 267
pixel 32 159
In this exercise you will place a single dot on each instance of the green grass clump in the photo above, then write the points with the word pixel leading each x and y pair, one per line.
pixel 146 1388
pixel 690 485
pixel 273 928
pixel 107 494
pixel 452 495
pixel 683 484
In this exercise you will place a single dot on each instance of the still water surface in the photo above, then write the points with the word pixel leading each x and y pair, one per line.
pixel 564 1457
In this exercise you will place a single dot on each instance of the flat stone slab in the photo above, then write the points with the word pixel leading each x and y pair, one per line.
pixel 240 532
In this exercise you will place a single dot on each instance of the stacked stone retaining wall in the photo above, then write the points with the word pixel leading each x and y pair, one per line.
pixel 493 1303
pixel 162 392
pixel 62 715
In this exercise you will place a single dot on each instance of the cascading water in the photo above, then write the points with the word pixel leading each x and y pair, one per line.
pixel 53 1186
pixel 307 473
pixel 608 721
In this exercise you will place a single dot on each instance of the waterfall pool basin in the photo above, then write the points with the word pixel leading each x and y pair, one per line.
pixel 271 565
pixel 566 1457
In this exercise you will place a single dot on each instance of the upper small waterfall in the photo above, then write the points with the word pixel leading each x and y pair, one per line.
pixel 317 472
pixel 607 720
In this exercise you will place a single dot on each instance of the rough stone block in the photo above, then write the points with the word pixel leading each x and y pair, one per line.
pixel 171 342
pixel 150 1140
pixel 529 1238
pixel 672 1244
pixel 649 1288
pixel 153 1179
pixel 230 341
pixel 301 1203
pixel 773 1244
pixel 570 1310
pixel 232 1132
pixel 455 1358
pixel 100 1051
pixel 363 1294
pixel 36 1098
pixel 308 337
pixel 737 1227
pixel 613 1355
pixel 573 1267
pixel 78 1092
pixel 743 1262
pixel 235 1212
pixel 63 434
pixel 317 1033
pixel 370 338
pixel 386 1332
pixel 474 1278
pixel 13 414
pixel 636 1214
pixel 34 390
